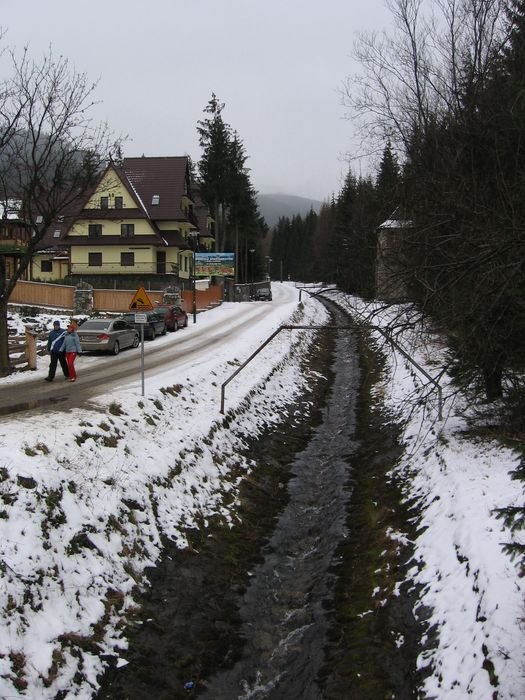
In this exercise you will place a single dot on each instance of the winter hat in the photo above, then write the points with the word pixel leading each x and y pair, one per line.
pixel 56 323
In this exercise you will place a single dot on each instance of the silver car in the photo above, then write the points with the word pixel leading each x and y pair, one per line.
pixel 107 335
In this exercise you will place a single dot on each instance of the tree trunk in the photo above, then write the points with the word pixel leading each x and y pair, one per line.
pixel 493 387
pixel 4 337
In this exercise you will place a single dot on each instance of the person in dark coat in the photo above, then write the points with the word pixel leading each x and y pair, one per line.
pixel 54 342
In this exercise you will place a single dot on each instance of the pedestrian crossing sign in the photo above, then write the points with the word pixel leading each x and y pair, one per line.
pixel 141 301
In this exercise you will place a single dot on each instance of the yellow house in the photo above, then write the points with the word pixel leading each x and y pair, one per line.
pixel 138 222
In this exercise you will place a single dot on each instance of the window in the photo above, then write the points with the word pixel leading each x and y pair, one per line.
pixel 56 233
pixel 95 260
pixel 155 199
pixel 104 202
pixel 46 265
pixel 119 202
pixel 127 230
pixel 127 259
pixel 95 231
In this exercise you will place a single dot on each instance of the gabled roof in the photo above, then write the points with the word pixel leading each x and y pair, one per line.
pixel 163 177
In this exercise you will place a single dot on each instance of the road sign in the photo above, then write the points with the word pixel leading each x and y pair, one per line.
pixel 141 301
pixel 141 318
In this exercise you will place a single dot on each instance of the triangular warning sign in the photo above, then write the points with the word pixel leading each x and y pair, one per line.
pixel 141 301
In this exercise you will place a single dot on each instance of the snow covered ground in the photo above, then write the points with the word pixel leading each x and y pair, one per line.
pixel 85 497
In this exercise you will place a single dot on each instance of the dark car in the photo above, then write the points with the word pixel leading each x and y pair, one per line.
pixel 107 335
pixel 174 316
pixel 263 294
pixel 154 324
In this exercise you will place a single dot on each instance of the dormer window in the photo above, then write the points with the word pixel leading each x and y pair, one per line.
pixel 56 233
pixel 119 202
pixel 104 202
pixel 155 199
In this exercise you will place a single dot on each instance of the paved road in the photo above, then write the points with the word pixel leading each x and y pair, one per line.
pixel 100 374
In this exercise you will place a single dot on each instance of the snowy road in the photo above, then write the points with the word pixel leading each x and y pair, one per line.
pixel 214 330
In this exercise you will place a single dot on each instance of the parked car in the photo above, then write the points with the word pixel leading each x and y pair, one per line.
pixel 263 294
pixel 174 317
pixel 154 324
pixel 107 335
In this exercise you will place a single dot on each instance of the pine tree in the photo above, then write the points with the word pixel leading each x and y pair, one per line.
pixel 214 166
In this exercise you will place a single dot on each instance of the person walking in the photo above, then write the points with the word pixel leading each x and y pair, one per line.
pixel 71 346
pixel 54 342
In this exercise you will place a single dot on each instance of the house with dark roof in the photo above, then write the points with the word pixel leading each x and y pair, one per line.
pixel 138 225
pixel 15 234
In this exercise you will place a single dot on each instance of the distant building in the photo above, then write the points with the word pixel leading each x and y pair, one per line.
pixel 390 263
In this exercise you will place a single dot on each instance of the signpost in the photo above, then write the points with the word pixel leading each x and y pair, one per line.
pixel 140 304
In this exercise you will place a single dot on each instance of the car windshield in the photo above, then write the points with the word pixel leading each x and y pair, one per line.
pixel 95 325
pixel 161 312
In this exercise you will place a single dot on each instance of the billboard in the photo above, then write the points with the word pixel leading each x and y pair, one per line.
pixel 208 264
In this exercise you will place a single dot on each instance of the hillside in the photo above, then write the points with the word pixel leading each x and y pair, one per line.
pixel 275 206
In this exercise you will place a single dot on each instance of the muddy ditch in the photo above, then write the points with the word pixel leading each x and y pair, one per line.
pixel 191 627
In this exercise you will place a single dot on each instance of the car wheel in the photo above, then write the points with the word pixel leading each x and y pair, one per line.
pixel 175 325
pixel 163 332
pixel 116 348
pixel 136 340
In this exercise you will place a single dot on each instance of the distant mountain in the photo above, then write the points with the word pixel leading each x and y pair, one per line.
pixel 275 206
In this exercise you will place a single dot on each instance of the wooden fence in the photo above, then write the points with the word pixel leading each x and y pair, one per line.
pixel 59 296
pixel 41 294
pixel 119 299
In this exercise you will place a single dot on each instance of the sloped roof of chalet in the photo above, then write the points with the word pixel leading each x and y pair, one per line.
pixel 163 176
pixel 154 239
pixel 56 232
pixel 142 177
pixel 174 238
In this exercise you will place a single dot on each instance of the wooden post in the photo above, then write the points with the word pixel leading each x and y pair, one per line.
pixel 31 348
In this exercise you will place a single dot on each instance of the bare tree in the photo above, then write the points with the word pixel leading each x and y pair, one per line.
pixel 51 153
pixel 419 72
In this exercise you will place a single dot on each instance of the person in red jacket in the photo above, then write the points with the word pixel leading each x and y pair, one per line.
pixel 71 346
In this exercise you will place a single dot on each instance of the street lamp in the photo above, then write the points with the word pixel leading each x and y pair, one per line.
pixel 251 251
pixel 193 237
pixel 269 267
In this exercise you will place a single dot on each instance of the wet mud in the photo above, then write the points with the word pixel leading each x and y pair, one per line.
pixel 191 626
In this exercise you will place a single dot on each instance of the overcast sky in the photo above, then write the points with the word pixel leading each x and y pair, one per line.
pixel 278 65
